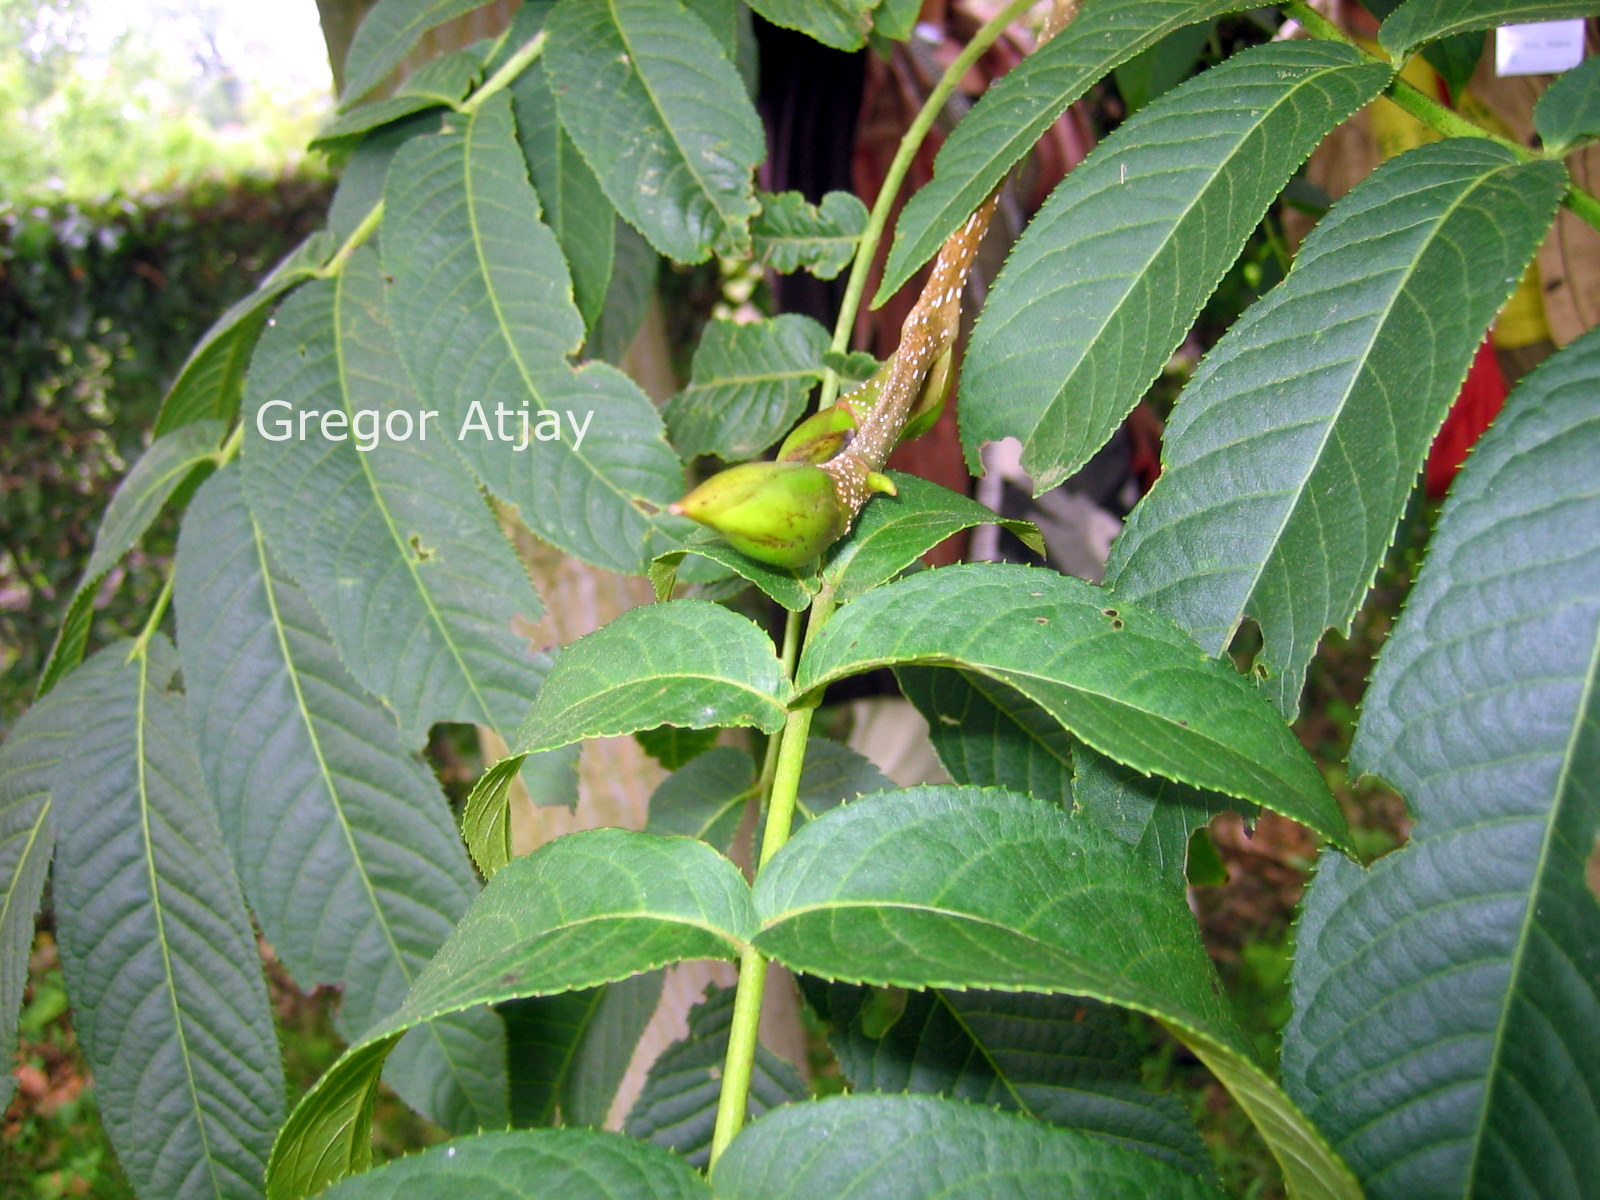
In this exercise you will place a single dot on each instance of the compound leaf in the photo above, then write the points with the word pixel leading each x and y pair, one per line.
pixel 1447 1000
pixel 582 910
pixel 394 545
pixel 663 119
pixel 1127 682
pixel 311 781
pixel 1291 453
pixel 1015 112
pixel 1110 275
pixel 159 956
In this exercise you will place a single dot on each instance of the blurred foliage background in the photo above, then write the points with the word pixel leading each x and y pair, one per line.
pixel 151 170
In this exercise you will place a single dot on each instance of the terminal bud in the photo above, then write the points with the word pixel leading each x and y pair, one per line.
pixel 784 514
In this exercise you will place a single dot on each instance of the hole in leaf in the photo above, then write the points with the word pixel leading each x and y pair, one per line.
pixel 421 552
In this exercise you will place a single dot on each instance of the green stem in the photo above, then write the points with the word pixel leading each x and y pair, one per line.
pixel 358 238
pixel 744 1032
pixel 502 79
pixel 228 451
pixel 230 448
pixel 497 82
pixel 1583 205
pixel 789 653
pixel 910 143
pixel 158 610
pixel 1429 111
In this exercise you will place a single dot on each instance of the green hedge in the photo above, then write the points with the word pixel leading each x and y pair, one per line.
pixel 99 305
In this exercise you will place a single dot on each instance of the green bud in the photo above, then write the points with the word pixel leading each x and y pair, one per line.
pixel 781 513
pixel 819 437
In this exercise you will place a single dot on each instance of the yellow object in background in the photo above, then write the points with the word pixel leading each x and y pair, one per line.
pixel 1522 321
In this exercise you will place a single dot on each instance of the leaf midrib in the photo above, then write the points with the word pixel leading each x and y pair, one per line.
pixel 1361 372
pixel 502 323
pixel 34 832
pixel 292 670
pixel 993 670
pixel 342 365
pixel 1524 934
pixel 157 911
pixel 650 94
pixel 1253 133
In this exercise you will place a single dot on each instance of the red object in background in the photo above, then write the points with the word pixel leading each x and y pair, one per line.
pixel 1481 398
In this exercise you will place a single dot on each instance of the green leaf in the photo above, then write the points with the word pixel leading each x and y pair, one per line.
pixel 897 1147
pixel 1154 72
pixel 791 233
pixel 568 1053
pixel 168 464
pixel 582 910
pixel 684 662
pixel 581 1164
pixel 439 82
pixel 842 24
pixel 550 778
pixel 678 1105
pixel 705 798
pixel 1455 57
pixel 486 822
pixel 1063 1059
pixel 1292 451
pixel 29 758
pixel 1015 112
pixel 362 176
pixel 395 545
pixel 790 589
pixel 894 531
pixel 832 774
pixel 1446 1000
pixel 311 781
pixel 211 380
pixel 856 366
pixel 575 208
pixel 662 117
pixel 1110 276
pixel 633 282
pixel 485 330
pixel 1569 109
pixel 1419 21
pixel 1127 682
pixel 988 734
pixel 672 747
pixel 139 498
pixel 386 35
pixel 896 19
pixel 748 385
pixel 1157 817
pixel 168 1000
pixel 968 887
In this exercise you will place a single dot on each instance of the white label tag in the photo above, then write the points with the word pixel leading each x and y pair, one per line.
pixel 1539 48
